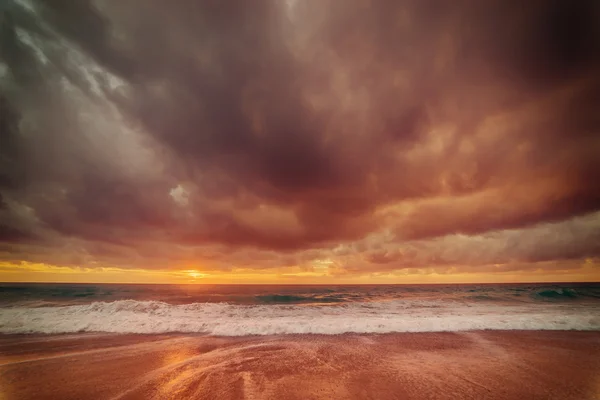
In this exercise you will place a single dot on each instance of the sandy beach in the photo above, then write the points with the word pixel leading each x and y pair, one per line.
pixel 467 365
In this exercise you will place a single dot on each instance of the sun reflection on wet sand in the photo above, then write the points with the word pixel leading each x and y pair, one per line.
pixel 491 365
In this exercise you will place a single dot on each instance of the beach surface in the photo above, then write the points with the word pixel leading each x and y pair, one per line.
pixel 462 365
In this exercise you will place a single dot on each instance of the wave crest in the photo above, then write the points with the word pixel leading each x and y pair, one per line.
pixel 557 294
pixel 286 298
pixel 130 316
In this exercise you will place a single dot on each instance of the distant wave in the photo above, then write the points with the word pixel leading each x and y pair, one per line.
pixel 12 295
pixel 557 294
pixel 131 316
pixel 284 298
pixel 487 297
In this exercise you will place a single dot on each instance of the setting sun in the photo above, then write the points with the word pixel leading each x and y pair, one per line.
pixel 195 274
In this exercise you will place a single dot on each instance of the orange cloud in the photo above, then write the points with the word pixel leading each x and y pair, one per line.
pixel 406 144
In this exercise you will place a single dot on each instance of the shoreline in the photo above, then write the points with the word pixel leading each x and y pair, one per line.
pixel 107 335
pixel 424 365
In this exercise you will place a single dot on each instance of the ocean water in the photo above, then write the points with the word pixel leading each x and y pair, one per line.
pixel 237 310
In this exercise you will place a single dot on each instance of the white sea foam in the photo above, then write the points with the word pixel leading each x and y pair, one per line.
pixel 130 316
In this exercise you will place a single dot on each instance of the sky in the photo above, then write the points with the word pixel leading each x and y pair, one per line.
pixel 299 141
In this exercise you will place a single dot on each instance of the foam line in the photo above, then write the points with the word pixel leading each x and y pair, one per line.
pixel 130 316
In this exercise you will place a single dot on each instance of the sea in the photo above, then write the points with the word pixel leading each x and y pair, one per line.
pixel 239 310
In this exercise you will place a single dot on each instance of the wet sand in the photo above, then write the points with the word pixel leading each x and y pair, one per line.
pixel 468 365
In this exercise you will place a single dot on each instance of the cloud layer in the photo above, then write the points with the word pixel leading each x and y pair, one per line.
pixel 378 135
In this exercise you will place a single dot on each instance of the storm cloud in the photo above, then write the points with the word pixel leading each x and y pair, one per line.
pixel 379 135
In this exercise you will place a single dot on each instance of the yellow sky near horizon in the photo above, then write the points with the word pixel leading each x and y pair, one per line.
pixel 43 273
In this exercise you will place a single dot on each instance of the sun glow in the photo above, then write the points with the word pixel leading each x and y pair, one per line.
pixel 320 274
pixel 195 274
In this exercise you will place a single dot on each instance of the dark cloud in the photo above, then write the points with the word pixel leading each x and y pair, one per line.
pixel 575 239
pixel 286 126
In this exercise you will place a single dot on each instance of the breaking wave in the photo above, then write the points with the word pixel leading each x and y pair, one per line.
pixel 557 294
pixel 131 316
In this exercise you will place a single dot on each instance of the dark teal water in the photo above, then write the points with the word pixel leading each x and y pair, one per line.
pixel 72 294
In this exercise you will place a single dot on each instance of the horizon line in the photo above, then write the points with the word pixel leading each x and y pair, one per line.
pixel 296 284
